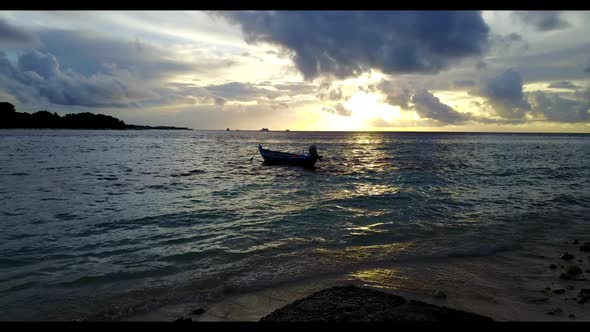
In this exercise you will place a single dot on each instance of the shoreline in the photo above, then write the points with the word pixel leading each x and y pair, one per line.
pixel 510 286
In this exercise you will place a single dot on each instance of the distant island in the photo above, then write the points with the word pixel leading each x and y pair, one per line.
pixel 11 119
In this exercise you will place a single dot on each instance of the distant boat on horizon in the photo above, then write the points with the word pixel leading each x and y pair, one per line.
pixel 264 129
pixel 287 130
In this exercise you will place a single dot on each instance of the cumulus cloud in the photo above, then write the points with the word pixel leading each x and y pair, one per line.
pixel 505 94
pixel 347 43
pixel 428 106
pixel 338 109
pixel 396 94
pixel 563 85
pixel 552 107
pixel 39 75
pixel 543 20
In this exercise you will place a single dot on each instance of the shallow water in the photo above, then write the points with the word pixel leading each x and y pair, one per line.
pixel 95 221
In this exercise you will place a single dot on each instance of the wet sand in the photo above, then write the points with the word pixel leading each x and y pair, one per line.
pixel 511 286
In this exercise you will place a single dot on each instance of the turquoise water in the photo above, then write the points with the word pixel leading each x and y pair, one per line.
pixel 112 220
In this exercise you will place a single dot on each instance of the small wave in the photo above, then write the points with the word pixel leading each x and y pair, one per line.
pixel 189 173
pixel 66 216
pixel 20 174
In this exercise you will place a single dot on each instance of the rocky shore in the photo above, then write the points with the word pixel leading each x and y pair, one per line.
pixel 352 303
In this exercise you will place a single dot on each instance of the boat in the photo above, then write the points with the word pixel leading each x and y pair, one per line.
pixel 292 159
pixel 264 129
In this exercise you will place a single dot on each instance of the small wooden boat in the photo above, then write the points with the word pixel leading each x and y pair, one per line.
pixel 292 159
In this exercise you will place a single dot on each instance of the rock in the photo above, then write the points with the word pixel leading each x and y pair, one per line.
pixel 587 271
pixel 438 294
pixel 573 270
pixel 365 304
pixel 565 276
pixel 570 287
pixel 183 320
pixel 585 247
pixel 559 291
pixel 584 295
pixel 197 311
pixel 555 311
pixel 547 288
pixel 566 256
pixel 552 266
pixel 575 241
pixel 572 316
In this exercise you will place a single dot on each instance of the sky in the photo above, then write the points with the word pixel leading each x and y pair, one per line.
pixel 501 71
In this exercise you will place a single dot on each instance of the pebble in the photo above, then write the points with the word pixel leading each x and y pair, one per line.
pixel 553 266
pixel 567 256
pixel 439 294
pixel 570 287
pixel 559 291
pixel 572 316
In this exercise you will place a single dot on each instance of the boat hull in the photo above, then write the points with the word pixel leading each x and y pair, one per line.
pixel 281 158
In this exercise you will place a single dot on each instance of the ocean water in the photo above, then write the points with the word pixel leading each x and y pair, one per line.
pixel 106 224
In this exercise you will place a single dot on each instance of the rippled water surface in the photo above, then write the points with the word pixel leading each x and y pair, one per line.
pixel 90 217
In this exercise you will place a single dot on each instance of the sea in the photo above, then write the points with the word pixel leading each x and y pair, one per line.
pixel 109 223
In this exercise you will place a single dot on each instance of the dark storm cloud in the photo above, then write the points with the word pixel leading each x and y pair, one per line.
pixel 543 20
pixel 563 85
pixel 13 36
pixel 338 109
pixel 505 94
pixel 348 43
pixel 88 54
pixel 428 106
pixel 552 107
pixel 38 75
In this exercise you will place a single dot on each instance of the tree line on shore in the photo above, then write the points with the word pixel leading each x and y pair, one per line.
pixel 10 118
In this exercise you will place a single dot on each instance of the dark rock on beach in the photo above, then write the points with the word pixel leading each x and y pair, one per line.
pixel 553 266
pixel 585 247
pixel 567 256
pixel 559 291
pixel 584 295
pixel 573 270
pixel 198 311
pixel 183 320
pixel 575 241
pixel 352 303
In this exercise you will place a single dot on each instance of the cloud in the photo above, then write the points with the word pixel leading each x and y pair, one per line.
pixel 511 44
pixel 464 83
pixel 552 107
pixel 563 85
pixel 239 91
pixel 347 43
pixel 543 20
pixel 396 94
pixel 428 106
pixel 338 109
pixel 88 53
pixel 480 65
pixel 505 94
pixel 13 36
pixel 38 75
